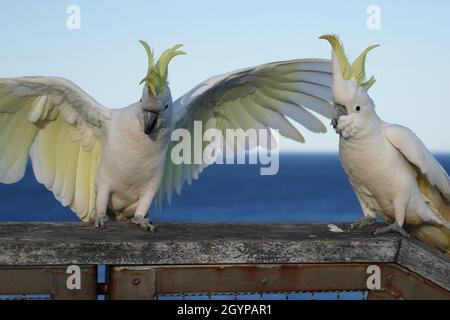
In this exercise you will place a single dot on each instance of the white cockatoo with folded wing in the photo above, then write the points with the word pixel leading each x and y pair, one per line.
pixel 390 169
pixel 107 163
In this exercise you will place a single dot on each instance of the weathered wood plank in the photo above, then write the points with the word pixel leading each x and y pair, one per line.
pixel 190 243
pixel 423 261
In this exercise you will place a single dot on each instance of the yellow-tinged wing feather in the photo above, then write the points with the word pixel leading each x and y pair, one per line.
pixel 62 130
pixel 433 182
pixel 270 96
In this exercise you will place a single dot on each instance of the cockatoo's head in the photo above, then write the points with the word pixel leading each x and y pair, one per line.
pixel 354 109
pixel 156 102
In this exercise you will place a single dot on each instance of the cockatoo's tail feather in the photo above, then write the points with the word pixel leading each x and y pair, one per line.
pixel 357 69
pixel 156 78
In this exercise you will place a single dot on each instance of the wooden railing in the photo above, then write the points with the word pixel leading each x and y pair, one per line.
pixel 184 259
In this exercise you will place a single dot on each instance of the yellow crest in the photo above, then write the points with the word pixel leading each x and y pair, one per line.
pixel 157 74
pixel 357 69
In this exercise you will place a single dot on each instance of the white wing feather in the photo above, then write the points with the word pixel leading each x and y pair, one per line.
pixel 413 149
pixel 61 128
pixel 261 97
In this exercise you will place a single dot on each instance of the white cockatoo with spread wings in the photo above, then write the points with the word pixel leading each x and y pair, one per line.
pixel 390 169
pixel 111 164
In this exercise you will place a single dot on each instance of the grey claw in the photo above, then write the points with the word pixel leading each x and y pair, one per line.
pixel 366 221
pixel 143 223
pixel 392 228
pixel 101 221
pixel 375 232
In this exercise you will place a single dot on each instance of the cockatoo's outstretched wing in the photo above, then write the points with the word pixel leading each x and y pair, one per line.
pixel 259 97
pixel 412 148
pixel 61 127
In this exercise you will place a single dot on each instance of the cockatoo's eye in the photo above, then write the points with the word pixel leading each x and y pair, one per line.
pixel 358 109
pixel 140 100
pixel 166 106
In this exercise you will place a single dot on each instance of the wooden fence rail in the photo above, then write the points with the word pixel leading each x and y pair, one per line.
pixel 207 258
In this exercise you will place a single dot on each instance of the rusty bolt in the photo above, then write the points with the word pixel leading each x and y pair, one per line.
pixel 389 276
pixel 264 279
pixel 136 281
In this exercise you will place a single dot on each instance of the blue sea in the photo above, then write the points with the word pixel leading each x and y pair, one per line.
pixel 307 188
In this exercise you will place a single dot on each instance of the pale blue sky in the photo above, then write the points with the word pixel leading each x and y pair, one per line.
pixel 105 59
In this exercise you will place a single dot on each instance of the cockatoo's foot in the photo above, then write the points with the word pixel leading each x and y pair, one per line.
pixel 144 223
pixel 363 222
pixel 392 228
pixel 100 221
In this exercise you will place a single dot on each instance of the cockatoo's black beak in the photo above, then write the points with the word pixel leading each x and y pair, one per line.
pixel 339 110
pixel 150 121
